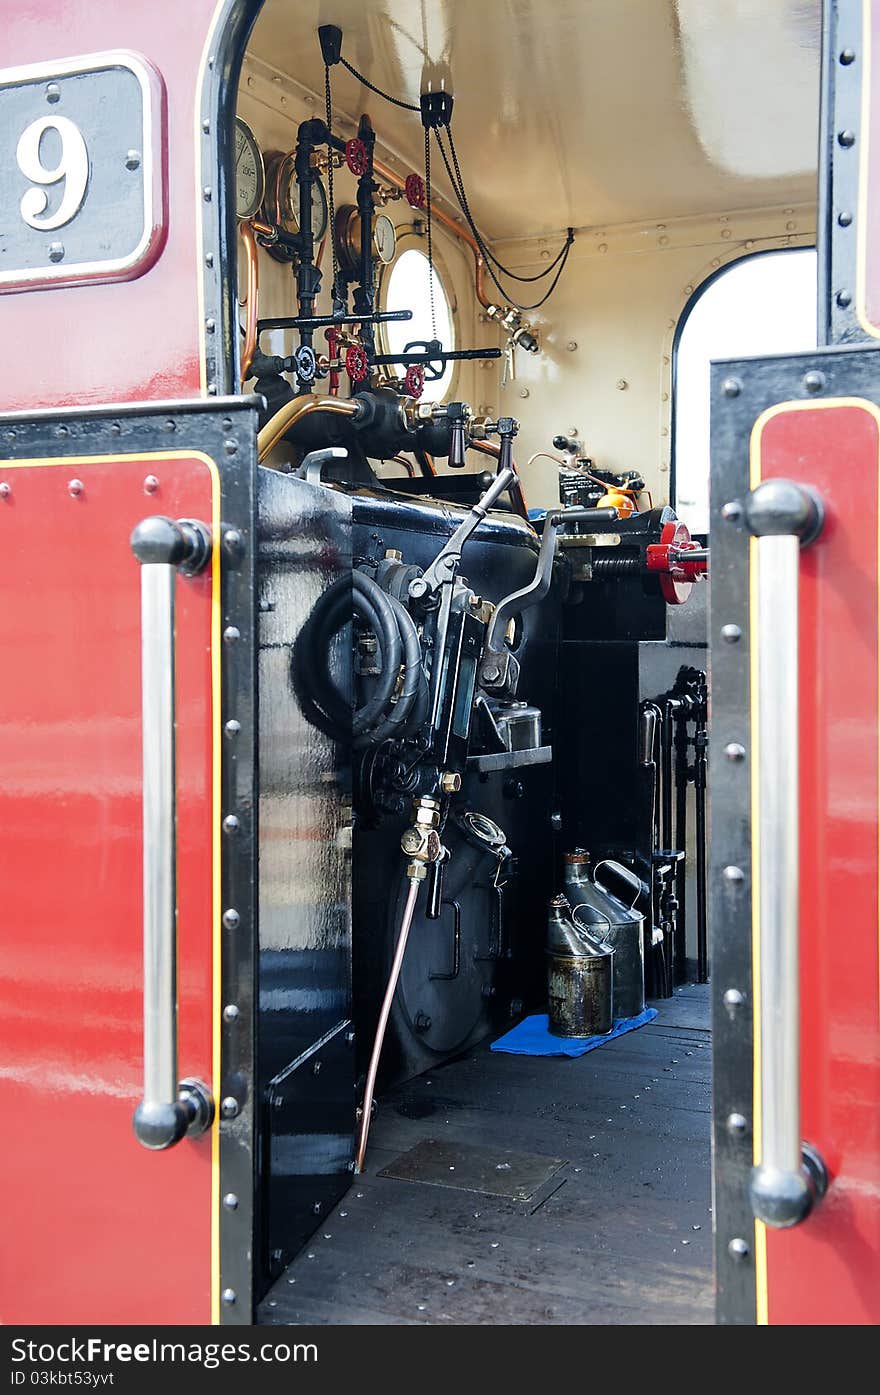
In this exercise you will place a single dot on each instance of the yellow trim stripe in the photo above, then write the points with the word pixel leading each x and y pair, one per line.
pixel 216 620
pixel 862 195
pixel 755 477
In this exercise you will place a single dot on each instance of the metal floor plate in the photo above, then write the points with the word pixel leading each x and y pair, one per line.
pixel 493 1171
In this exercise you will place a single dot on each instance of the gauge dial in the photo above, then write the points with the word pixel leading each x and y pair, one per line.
pixel 282 196
pixel 348 237
pixel 250 175
pixel 384 238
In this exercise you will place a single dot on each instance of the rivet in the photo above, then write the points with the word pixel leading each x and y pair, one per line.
pixel 844 299
pixel 350 1038
pixel 231 919
pixel 846 139
pixel 229 1107
pixel 209 259
pixel 206 126
pixel 231 635
pixel 734 751
pixel 63 431
pixel 212 389
pixel 210 326
pixel 316 1068
pixel 814 381
pixel 732 511
pixel 736 1124
pixel 621 385
pixel 53 92
pixel 230 445
pixel 725 233
pixel 738 1249
pixel 115 428
pixel 232 727
pixel 524 392
pixel 731 387
pixel 151 484
pixel 731 634
pixel 732 1000
pixel 231 1013
pixel 317 1208
pixel 169 424
pixel 231 824
pixel 207 193
pixel 5 489
pixel 133 160
pixel 733 875
pixel 229 1296
pixel 233 544
pixel 847 56
pixel 75 488
pixel 56 251
pixel 845 218
pixel 230 1201
pixel 571 346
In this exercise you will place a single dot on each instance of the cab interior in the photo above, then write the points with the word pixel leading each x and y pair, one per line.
pixel 644 148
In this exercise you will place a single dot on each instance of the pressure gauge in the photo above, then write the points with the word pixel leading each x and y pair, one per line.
pixel 282 197
pixel 348 238
pixel 384 238
pixel 250 175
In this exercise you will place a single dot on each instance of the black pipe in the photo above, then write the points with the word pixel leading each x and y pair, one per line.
pixel 701 742
pixel 681 789
pixel 328 321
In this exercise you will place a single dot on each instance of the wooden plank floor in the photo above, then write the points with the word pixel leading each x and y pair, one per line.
pixel 621 1234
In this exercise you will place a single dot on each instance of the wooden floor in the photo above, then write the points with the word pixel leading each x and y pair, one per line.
pixel 621 1233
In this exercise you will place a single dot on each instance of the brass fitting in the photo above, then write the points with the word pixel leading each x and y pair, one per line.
pixel 421 841
pixel 450 782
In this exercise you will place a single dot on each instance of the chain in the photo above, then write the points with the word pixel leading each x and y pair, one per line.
pixel 395 101
pixel 430 243
pixel 331 204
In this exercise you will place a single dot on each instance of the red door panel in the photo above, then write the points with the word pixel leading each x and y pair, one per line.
pixel 827 1270
pixel 96 1227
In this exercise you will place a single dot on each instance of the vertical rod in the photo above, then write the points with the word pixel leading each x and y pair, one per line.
pixel 159 852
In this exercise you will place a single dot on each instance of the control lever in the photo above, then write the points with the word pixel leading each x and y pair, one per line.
pixel 435 885
pixel 500 670
pixel 448 559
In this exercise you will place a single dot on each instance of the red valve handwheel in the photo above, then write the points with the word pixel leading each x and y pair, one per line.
pixel 414 380
pixel 356 365
pixel 356 156
pixel 668 558
pixel 414 189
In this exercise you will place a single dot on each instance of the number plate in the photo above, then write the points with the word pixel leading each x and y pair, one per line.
pixel 80 171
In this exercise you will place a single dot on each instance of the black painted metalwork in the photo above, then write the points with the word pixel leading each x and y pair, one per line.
pixel 839 162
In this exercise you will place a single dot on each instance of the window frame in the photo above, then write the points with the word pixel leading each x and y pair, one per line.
pixel 689 306
pixel 412 236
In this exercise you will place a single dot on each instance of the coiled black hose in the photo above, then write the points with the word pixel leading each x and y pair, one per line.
pixel 386 712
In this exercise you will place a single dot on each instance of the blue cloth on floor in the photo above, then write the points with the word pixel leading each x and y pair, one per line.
pixel 532 1038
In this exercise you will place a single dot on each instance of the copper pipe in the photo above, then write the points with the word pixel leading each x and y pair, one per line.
pixel 253 295
pixel 457 229
pixel 425 463
pixel 517 497
pixel 407 464
pixel 406 921
pixel 291 412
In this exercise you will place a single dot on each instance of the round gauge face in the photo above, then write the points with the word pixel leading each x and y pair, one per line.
pixel 288 204
pixel 319 210
pixel 250 175
pixel 384 238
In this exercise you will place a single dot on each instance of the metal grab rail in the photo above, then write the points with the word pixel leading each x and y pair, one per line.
pixel 790 1177
pixel 168 1110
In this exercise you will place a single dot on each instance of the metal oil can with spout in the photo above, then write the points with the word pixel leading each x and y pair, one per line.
pixel 604 916
pixel 579 977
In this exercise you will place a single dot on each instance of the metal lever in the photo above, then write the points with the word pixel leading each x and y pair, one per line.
pixel 448 559
pixel 498 661
pixel 790 1177
pixel 168 1110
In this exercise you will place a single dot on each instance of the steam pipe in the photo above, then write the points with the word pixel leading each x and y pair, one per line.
pixel 299 407
pixel 249 242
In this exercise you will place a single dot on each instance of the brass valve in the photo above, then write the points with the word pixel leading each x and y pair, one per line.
pixel 421 841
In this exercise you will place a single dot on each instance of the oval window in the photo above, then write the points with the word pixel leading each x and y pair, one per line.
pixel 408 287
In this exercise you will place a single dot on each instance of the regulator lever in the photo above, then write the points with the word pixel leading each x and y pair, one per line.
pixel 448 559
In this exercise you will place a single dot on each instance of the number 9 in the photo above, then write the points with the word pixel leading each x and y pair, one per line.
pixel 73 168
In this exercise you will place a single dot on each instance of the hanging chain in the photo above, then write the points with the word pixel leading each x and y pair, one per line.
pixel 331 205
pixel 430 243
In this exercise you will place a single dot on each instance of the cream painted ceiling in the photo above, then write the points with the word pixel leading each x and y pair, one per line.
pixel 583 112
